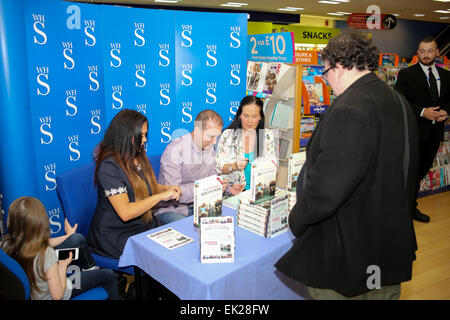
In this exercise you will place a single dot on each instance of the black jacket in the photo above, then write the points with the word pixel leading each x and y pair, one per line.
pixel 413 84
pixel 354 210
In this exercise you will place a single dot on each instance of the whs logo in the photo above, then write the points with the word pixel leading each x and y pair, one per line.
pixel 95 121
pixel 234 106
pixel 211 51
pixel 142 108
pixel 165 132
pixel 140 72
pixel 93 74
pixel 187 111
pixel 235 33
pixel 164 94
pixel 186 72
pixel 89 29
pixel 234 73
pixel 139 40
pixel 71 98
pixel 50 176
pixel 116 96
pixel 211 88
pixel 186 34
pixel 67 53
pixel 46 125
pixel 164 55
pixel 115 54
pixel 73 148
pixel 42 79
pixel 40 37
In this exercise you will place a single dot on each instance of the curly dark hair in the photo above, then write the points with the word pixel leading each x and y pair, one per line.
pixel 352 49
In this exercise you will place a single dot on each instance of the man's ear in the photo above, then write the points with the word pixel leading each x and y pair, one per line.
pixel 340 70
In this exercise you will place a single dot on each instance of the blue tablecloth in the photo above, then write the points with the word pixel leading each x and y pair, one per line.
pixel 251 276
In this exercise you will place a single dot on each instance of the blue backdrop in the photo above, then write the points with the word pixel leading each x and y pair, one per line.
pixel 84 63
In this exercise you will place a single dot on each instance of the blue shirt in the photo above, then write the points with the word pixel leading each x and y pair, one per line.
pixel 248 169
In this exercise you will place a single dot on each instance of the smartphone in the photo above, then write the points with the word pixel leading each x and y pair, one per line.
pixel 63 254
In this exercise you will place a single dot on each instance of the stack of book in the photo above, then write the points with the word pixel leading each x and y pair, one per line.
pixel 207 198
pixel 217 241
pixel 292 198
pixel 267 219
pixel 295 165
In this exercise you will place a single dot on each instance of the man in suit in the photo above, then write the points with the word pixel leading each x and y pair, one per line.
pixel 427 88
pixel 352 220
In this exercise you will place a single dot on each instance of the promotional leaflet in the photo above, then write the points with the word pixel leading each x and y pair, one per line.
pixel 170 238
pixel 216 236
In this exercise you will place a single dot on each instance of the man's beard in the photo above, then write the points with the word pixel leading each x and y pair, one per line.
pixel 429 63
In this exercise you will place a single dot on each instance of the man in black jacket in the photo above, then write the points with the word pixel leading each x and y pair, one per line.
pixel 352 220
pixel 427 88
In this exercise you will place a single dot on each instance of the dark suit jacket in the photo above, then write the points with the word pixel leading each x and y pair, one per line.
pixel 413 84
pixel 354 210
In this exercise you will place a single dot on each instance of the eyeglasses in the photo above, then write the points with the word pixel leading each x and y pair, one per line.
pixel 324 74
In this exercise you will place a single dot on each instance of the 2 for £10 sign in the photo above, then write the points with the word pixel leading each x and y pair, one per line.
pixel 271 47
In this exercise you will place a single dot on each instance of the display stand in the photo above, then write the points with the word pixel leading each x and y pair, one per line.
pixel 438 178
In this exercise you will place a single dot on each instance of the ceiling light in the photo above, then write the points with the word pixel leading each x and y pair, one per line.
pixel 234 4
pixel 294 8
pixel 286 9
pixel 335 14
pixel 342 0
pixel 419 14
pixel 444 18
pixel 168 1
pixel 442 0
pixel 344 13
pixel 329 2
pixel 442 11
pixel 395 14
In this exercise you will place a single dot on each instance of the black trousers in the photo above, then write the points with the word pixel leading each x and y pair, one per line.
pixel 427 153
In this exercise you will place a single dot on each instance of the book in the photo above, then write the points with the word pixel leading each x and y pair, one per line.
pixel 217 241
pixel 295 164
pixel 273 75
pixel 263 180
pixel 233 201
pixel 170 238
pixel 307 127
pixel 256 75
pixel 268 219
pixel 314 90
pixel 207 198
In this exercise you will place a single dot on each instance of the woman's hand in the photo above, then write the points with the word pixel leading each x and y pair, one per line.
pixel 241 163
pixel 68 228
pixel 171 194
pixel 236 188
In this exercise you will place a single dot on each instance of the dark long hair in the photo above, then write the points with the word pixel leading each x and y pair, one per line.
pixel 122 141
pixel 237 123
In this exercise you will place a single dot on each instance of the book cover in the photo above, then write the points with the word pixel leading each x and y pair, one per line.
pixel 278 223
pixel 256 75
pixel 295 164
pixel 307 127
pixel 217 241
pixel 207 198
pixel 263 180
